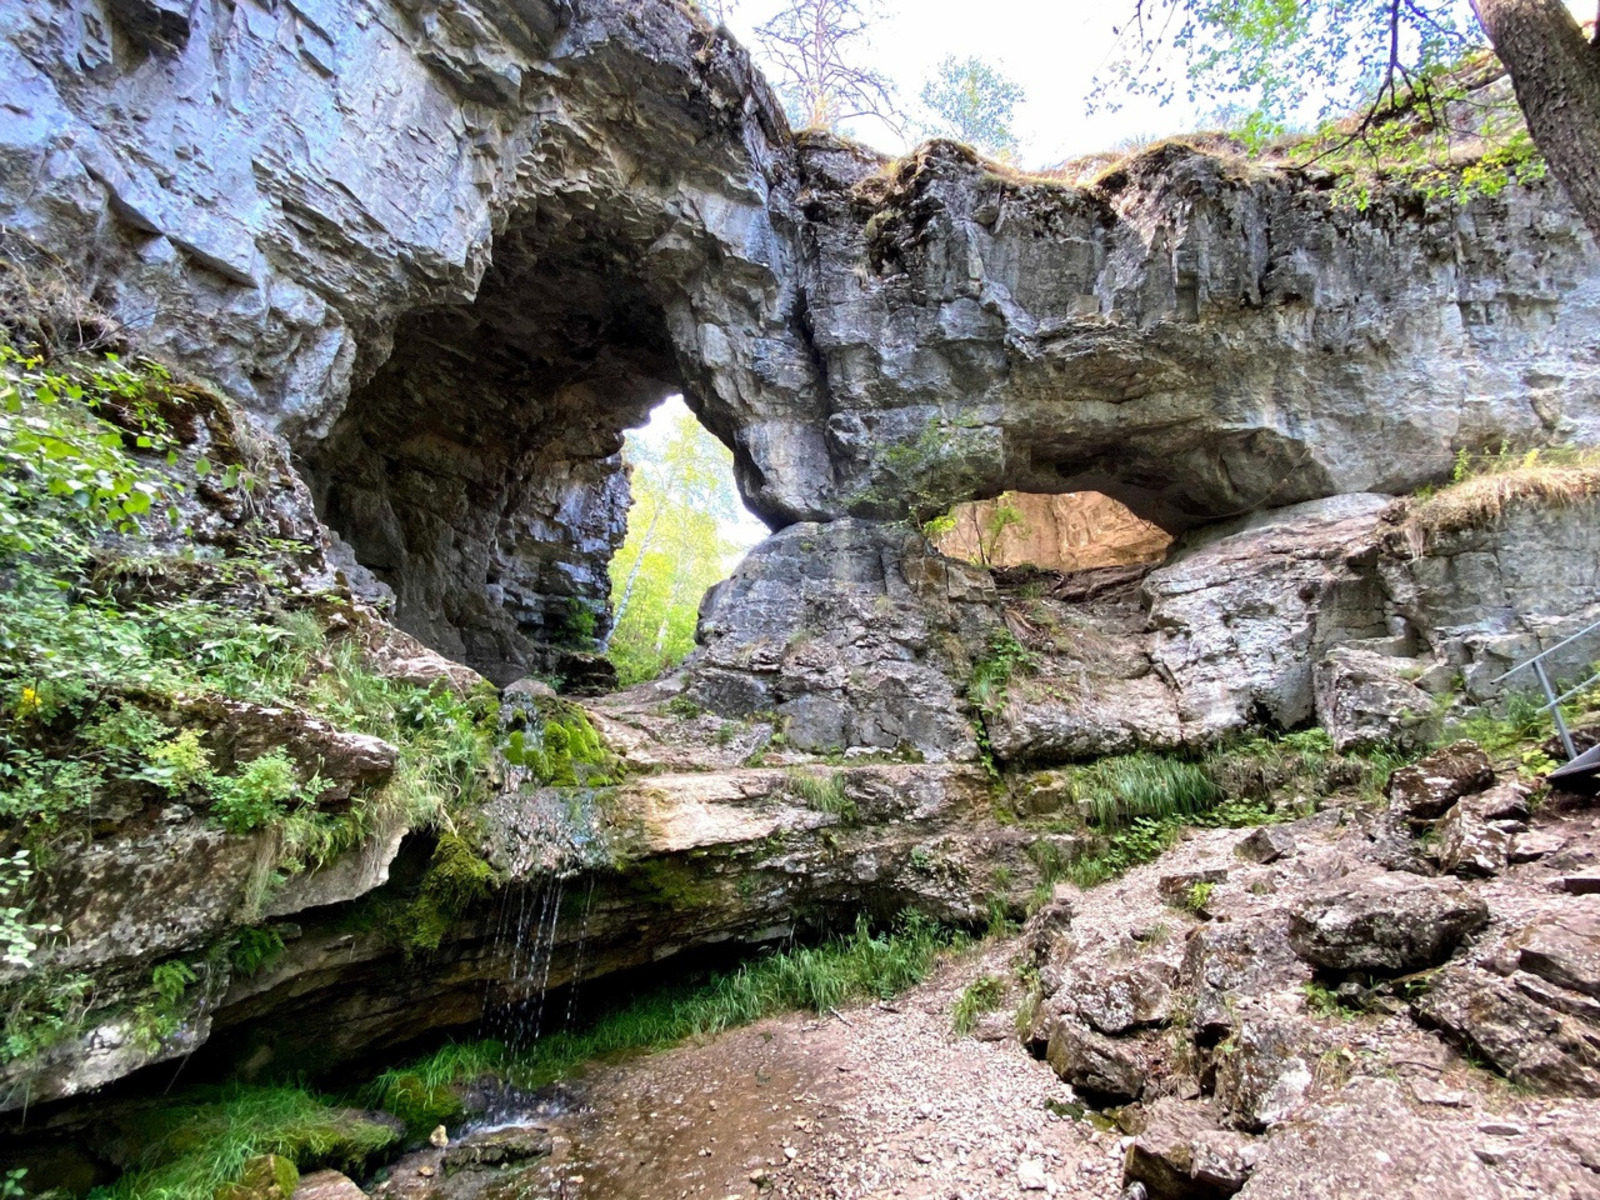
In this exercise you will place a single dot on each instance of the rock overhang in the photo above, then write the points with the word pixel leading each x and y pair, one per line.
pixel 452 254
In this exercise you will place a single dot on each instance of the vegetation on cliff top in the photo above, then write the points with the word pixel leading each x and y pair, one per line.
pixel 1482 486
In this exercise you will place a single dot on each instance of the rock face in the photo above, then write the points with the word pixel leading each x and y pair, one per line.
pixel 448 253
pixel 428 246
pixel 856 634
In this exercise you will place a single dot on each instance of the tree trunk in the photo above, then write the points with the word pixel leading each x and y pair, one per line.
pixel 1556 73
pixel 633 573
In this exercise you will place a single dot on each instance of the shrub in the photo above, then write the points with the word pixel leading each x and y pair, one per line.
pixel 258 795
pixel 982 995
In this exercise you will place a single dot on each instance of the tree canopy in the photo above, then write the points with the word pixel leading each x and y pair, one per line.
pixel 1305 63
pixel 683 493
pixel 818 47
pixel 973 102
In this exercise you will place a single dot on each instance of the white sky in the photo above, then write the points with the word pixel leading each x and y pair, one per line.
pixel 746 531
pixel 1053 48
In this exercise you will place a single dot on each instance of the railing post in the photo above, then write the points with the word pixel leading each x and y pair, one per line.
pixel 1555 708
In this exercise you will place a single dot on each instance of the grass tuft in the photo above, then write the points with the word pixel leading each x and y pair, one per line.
pixel 982 995
pixel 1483 487
pixel 825 793
pixel 197 1147
pixel 1117 791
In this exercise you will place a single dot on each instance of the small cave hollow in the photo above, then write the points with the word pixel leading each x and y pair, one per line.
pixel 1063 532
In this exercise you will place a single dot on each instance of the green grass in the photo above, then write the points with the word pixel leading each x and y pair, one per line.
pixel 824 793
pixel 982 995
pixel 197 1146
pixel 862 965
pixel 1117 791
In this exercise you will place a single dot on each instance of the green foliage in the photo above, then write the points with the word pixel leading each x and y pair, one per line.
pixel 1115 791
pixel 201 1144
pixel 1144 840
pixel 177 764
pixel 19 937
pixel 992 674
pixel 457 877
pixel 45 1008
pixel 1197 897
pixel 64 471
pixel 160 1012
pixel 1397 92
pixel 254 948
pixel 259 795
pixel 1325 1002
pixel 11 1184
pixel 562 749
pixel 682 493
pixel 974 103
pixel 94 669
pixel 982 995
pixel 825 793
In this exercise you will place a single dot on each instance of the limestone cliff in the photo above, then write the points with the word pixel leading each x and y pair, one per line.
pixel 443 254
pixel 451 251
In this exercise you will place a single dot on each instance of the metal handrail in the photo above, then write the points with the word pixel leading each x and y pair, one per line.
pixel 1553 701
pixel 1561 645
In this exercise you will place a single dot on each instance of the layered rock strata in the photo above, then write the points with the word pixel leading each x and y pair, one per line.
pixel 451 252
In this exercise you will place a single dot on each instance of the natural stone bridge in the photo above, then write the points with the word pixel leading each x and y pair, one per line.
pixel 451 252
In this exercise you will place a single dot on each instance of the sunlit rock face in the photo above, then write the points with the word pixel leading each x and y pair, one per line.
pixel 1193 336
pixel 1076 531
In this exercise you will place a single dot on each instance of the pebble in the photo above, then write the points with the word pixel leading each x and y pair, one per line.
pixel 1501 1128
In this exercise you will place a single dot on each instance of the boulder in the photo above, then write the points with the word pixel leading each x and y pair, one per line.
pixel 394 655
pixel 1425 790
pixel 1534 845
pixel 1181 1154
pixel 1177 889
pixel 1565 949
pixel 1385 921
pixel 1367 1142
pixel 1265 844
pixel 1469 846
pixel 1366 699
pixel 1526 1039
pixel 497 1148
pixel 1117 1000
pixel 327 1185
pixel 238 732
pixel 1248 957
pixel 1103 1069
pixel 1264 1070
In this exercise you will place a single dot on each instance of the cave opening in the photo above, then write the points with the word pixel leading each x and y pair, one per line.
pixel 687 530
pixel 1063 532
pixel 477 475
